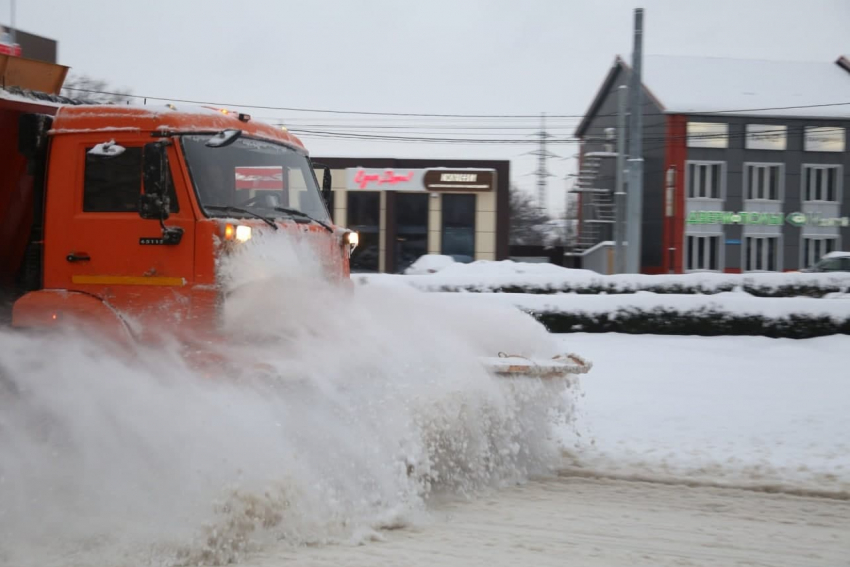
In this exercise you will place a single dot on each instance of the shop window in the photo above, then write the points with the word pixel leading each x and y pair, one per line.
pixel 706 180
pixel 763 181
pixel 815 247
pixel 702 253
pixel 364 217
pixel 113 184
pixel 822 183
pixel 411 228
pixel 458 237
pixel 761 253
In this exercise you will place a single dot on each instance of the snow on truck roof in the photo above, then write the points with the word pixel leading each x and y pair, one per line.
pixel 75 116
pixel 164 118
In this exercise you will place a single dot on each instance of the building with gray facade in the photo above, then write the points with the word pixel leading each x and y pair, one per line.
pixel 745 165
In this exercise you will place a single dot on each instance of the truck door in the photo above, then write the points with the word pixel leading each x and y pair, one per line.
pixel 97 243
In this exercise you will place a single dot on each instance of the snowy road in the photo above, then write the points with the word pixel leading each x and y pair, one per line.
pixel 695 416
pixel 608 523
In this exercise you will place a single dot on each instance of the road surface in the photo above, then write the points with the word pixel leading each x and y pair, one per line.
pixel 605 522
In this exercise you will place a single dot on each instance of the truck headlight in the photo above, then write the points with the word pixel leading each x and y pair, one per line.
pixel 353 239
pixel 239 232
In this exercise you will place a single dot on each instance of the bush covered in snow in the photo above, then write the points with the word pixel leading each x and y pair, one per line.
pixel 702 322
pixel 507 276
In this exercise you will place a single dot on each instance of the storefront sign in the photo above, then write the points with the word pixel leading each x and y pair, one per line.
pixel 759 218
pixel 824 139
pixel 459 180
pixel 766 137
pixel 438 179
pixel 708 135
pixel 383 179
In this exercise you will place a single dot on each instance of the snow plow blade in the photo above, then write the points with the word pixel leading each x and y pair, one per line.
pixel 515 366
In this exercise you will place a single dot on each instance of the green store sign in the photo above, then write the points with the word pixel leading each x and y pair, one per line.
pixel 764 219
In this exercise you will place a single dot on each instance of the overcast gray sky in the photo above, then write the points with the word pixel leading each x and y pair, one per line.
pixel 436 56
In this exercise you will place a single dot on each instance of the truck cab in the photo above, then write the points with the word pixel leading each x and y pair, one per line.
pixel 125 210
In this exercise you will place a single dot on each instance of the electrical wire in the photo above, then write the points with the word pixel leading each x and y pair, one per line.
pixel 423 114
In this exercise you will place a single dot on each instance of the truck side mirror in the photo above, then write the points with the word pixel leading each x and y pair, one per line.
pixel 154 203
pixel 327 181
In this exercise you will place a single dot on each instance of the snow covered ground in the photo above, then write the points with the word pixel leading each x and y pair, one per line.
pixel 484 275
pixel 744 411
pixel 685 451
pixel 738 303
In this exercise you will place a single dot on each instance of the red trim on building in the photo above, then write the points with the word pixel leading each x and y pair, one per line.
pixel 732 270
pixel 653 270
pixel 674 228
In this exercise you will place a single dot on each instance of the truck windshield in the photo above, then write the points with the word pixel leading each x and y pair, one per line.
pixel 256 175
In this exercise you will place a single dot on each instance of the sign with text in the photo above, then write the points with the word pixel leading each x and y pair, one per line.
pixel 459 180
pixel 766 137
pixel 824 139
pixel 438 179
pixel 264 178
pixel 362 179
pixel 761 218
pixel 708 135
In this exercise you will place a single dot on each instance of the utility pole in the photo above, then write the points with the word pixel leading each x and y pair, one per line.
pixel 619 189
pixel 635 191
pixel 12 32
pixel 542 171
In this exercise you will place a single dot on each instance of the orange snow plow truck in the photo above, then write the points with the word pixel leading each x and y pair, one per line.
pixel 112 213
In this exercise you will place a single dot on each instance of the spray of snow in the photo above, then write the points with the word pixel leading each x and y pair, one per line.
pixel 353 407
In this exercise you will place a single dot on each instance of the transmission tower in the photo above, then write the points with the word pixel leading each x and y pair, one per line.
pixel 542 172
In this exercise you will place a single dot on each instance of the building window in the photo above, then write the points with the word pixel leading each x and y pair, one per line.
pixel 458 238
pixel 815 247
pixel 706 180
pixel 822 183
pixel 703 253
pixel 761 253
pixel 411 228
pixel 708 135
pixel 763 181
pixel 364 217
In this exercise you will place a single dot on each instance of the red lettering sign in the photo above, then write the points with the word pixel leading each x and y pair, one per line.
pixel 268 178
pixel 10 49
pixel 389 177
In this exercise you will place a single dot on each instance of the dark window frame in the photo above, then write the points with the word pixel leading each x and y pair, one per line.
pixel 444 224
pixel 128 208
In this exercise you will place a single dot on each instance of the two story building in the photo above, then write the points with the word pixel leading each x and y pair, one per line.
pixel 745 164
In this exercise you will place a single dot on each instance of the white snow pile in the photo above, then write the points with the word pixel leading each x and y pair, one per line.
pixel 429 264
pixel 737 303
pixel 485 275
pixel 107 149
pixel 750 412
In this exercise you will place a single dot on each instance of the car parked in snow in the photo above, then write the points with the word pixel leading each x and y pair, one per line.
pixel 832 262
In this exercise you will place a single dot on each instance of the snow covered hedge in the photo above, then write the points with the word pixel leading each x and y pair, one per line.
pixel 707 315
pixel 545 279
pixel 703 322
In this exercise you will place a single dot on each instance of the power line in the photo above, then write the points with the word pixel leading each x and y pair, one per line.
pixel 423 114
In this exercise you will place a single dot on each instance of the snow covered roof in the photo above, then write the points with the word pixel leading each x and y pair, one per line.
pixel 742 87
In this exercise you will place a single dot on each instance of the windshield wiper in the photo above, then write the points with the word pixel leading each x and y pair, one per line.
pixel 267 220
pixel 302 214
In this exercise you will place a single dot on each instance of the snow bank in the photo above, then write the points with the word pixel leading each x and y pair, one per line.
pixel 738 303
pixel 740 411
pixel 484 275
